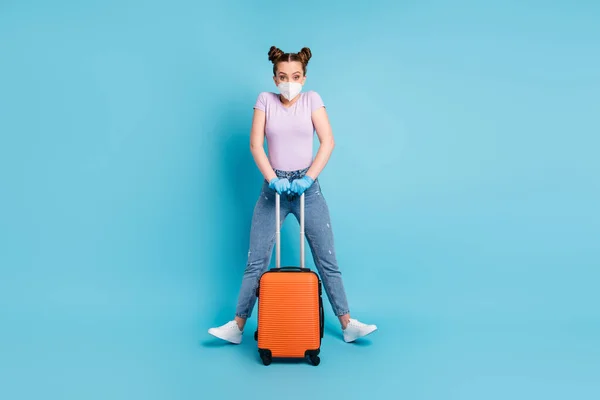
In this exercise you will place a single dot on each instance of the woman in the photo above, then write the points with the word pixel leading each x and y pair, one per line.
pixel 289 121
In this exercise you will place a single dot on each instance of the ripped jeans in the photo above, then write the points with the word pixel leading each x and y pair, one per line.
pixel 318 232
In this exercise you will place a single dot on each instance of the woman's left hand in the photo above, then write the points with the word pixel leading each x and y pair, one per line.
pixel 300 185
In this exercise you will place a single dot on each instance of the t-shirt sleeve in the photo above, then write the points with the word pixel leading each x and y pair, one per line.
pixel 261 102
pixel 315 101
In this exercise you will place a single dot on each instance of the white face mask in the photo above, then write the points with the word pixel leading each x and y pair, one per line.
pixel 289 90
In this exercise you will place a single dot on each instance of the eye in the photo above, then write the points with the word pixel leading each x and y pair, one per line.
pixel 296 77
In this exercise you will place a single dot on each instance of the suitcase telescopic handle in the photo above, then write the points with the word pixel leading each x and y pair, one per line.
pixel 278 231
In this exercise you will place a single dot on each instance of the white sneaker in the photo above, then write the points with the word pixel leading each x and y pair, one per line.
pixel 356 329
pixel 229 332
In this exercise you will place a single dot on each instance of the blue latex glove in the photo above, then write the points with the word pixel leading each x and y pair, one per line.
pixel 280 185
pixel 300 185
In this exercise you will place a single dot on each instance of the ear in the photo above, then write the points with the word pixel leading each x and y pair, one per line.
pixel 275 80
pixel 304 79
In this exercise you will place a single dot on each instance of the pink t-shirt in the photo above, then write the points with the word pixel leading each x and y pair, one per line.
pixel 289 131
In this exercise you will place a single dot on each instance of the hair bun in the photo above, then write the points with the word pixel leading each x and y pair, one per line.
pixel 274 54
pixel 306 54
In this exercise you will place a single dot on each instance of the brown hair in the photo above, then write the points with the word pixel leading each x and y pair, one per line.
pixel 277 55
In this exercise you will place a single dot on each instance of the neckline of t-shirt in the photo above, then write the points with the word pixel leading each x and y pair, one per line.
pixel 278 99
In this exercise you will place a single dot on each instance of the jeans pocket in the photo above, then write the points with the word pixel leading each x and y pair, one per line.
pixel 314 189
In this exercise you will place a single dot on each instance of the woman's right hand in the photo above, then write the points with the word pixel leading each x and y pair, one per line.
pixel 280 185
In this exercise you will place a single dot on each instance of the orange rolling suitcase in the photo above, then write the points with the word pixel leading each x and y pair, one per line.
pixel 290 306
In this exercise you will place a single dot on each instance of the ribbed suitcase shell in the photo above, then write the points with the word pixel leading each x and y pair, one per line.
pixel 289 313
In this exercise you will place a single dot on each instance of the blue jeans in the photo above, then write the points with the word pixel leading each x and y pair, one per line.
pixel 318 232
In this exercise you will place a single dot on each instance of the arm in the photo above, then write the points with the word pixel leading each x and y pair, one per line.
pixel 257 140
pixel 323 129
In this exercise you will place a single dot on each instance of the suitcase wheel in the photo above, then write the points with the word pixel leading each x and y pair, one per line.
pixel 315 360
pixel 266 360
pixel 265 356
pixel 313 356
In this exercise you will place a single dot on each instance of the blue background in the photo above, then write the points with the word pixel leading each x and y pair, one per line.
pixel 464 194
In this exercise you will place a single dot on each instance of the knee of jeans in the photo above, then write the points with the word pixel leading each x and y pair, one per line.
pixel 329 268
pixel 255 267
